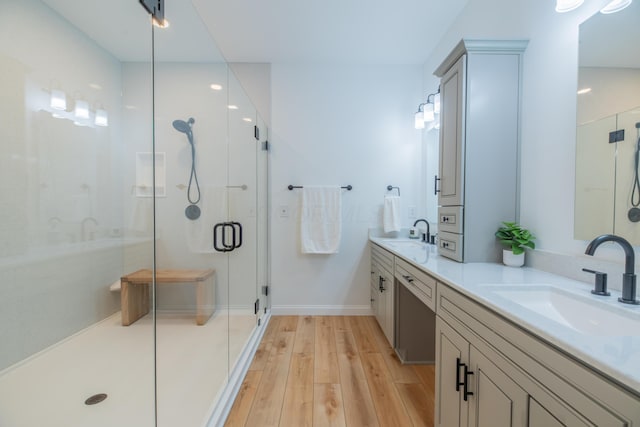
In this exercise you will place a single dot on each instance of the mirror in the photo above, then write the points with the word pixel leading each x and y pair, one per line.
pixel 608 109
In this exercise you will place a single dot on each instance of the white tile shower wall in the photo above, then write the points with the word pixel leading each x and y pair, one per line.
pixel 339 124
pixel 45 301
pixel 45 165
pixel 548 107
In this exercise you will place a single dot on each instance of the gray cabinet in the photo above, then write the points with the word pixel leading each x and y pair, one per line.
pixel 512 379
pixel 382 290
pixel 479 146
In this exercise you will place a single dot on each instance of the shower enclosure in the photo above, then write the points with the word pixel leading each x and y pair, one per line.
pixel 117 307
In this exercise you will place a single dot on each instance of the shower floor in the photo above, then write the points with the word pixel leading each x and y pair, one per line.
pixel 192 362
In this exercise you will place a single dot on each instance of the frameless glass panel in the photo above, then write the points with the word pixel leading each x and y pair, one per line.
pixel 192 272
pixel 73 219
pixel 262 183
pixel 243 193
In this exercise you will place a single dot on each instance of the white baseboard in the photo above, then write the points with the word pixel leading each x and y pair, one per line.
pixel 321 310
pixel 221 410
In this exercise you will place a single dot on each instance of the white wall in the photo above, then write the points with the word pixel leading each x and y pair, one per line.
pixel 338 125
pixel 548 110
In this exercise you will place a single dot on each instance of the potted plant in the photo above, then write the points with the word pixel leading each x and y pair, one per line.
pixel 516 239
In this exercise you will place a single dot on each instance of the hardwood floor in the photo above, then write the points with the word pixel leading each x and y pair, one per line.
pixel 331 371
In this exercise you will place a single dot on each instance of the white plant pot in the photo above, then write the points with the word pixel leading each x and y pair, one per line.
pixel 511 260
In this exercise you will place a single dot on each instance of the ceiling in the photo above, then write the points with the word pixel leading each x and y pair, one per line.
pixel 611 40
pixel 331 31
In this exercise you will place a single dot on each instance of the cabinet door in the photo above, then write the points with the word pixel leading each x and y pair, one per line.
pixel 387 298
pixel 451 347
pixel 497 400
pixel 451 168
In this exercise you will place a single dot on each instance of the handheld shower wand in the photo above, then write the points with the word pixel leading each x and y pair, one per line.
pixel 192 211
pixel 634 212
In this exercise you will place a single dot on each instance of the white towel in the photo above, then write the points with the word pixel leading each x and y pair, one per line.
pixel 391 214
pixel 321 220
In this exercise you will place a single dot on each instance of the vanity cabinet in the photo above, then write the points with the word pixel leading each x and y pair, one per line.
pixel 490 372
pixel 382 290
pixel 477 185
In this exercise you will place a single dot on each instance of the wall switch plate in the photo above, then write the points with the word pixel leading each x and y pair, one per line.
pixel 283 211
pixel 412 211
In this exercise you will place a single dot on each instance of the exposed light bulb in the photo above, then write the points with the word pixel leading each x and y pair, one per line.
pixel 58 100
pixel 567 5
pixel 615 6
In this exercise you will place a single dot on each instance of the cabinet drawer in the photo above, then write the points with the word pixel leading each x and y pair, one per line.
pixel 450 219
pixel 382 257
pixel 420 284
pixel 450 245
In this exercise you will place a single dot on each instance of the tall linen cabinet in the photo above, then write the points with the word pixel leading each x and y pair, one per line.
pixel 478 182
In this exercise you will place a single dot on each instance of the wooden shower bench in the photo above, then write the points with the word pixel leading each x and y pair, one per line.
pixel 134 292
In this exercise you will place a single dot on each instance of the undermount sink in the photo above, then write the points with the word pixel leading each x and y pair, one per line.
pixel 582 314
pixel 405 244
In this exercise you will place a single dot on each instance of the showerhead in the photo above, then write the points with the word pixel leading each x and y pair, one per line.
pixel 182 126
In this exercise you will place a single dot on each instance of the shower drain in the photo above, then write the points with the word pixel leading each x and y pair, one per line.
pixel 96 398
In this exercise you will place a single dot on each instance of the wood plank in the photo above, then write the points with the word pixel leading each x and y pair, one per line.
pixel 328 408
pixel 267 404
pixel 326 359
pixel 358 405
pixel 362 334
pixel 264 348
pixel 242 405
pixel 427 375
pixel 288 323
pixel 324 320
pixel 297 409
pixel 418 402
pixel 168 276
pixel 340 323
pixel 305 336
pixel 399 373
pixel 387 401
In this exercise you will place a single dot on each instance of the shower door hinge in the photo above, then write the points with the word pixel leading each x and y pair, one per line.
pixel 265 290
pixel 256 132
pixel 256 306
pixel 265 146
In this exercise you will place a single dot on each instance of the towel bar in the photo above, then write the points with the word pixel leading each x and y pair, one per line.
pixel 390 188
pixel 346 187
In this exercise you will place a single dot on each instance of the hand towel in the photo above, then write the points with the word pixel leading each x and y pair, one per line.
pixel 321 220
pixel 391 214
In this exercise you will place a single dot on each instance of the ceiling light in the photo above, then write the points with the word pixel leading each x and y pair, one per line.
pixel 583 91
pixel 216 87
pixel 82 110
pixel 102 118
pixel 567 5
pixel 160 24
pixel 58 100
pixel 615 6
pixel 233 107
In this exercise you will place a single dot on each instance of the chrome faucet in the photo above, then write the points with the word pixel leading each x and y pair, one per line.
pixel 426 237
pixel 629 277
pixel 83 228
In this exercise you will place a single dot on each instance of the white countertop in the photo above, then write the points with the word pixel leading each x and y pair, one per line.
pixel 615 354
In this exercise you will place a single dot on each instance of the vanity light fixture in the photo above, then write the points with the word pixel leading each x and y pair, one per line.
pixel 429 115
pixel 615 6
pixel 102 118
pixel 563 6
pixel 58 100
pixel 82 109
pixel 436 102
pixel 419 118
